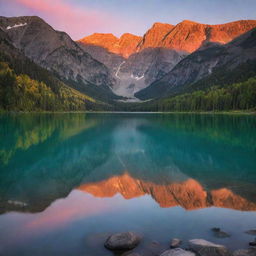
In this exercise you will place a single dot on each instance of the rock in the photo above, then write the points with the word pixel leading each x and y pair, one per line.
pixel 251 232
pixel 177 252
pixel 122 241
pixel 245 252
pixel 175 243
pixel 206 248
pixel 219 233
pixel 131 254
pixel 154 243
pixel 216 229
pixel 253 243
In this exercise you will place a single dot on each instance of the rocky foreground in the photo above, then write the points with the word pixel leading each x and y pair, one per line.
pixel 124 243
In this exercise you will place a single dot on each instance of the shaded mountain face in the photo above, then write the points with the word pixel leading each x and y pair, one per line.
pixel 203 63
pixel 57 52
pixel 143 68
pixel 138 62
pixel 139 70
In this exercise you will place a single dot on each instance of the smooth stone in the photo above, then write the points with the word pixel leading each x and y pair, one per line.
pixel 251 232
pixel 131 254
pixel 177 252
pixel 253 243
pixel 216 229
pixel 155 243
pixel 122 241
pixel 206 248
pixel 245 252
pixel 175 243
pixel 219 233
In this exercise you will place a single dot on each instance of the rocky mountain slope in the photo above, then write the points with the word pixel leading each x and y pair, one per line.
pixel 31 87
pixel 203 63
pixel 58 53
pixel 149 58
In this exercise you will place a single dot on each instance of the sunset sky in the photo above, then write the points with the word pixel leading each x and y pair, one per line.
pixel 83 17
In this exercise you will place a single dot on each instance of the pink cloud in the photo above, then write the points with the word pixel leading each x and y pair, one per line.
pixel 77 22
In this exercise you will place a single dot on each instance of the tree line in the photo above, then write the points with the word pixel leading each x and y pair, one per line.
pixel 22 93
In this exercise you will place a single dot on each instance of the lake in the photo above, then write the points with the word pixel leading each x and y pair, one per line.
pixel 67 181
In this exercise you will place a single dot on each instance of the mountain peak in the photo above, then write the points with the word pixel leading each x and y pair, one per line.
pixel 190 22
pixel 155 35
pixel 125 45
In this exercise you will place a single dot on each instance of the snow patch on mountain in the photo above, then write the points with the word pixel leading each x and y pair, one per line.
pixel 17 25
pixel 118 69
pixel 137 77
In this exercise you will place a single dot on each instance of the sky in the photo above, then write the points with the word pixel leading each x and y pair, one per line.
pixel 80 18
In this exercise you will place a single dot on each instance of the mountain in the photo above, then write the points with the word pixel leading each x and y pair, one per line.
pixel 203 63
pixel 186 36
pixel 58 53
pixel 25 86
pixel 168 59
pixel 157 52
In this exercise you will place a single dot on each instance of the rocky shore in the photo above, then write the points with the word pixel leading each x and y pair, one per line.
pixel 125 244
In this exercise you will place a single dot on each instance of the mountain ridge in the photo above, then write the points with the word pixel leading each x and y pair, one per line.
pixel 179 36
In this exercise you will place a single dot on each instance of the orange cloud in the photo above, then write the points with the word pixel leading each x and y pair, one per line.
pixel 70 18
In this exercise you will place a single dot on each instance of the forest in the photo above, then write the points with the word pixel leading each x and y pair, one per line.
pixel 236 96
pixel 22 93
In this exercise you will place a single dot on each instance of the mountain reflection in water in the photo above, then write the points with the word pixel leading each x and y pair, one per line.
pixel 193 161
pixel 188 194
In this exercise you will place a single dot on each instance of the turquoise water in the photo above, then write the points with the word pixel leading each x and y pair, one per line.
pixel 67 181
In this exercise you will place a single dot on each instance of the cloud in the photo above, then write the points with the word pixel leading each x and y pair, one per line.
pixel 77 21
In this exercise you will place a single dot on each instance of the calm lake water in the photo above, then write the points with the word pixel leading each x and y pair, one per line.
pixel 67 181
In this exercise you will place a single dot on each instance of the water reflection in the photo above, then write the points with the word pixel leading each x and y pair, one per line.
pixel 188 160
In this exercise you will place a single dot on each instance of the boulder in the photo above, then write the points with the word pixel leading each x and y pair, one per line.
pixel 206 248
pixel 251 232
pixel 122 241
pixel 131 254
pixel 177 252
pixel 175 243
pixel 219 233
pixel 245 252
pixel 253 243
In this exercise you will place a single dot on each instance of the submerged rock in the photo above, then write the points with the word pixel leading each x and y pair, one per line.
pixel 122 241
pixel 175 243
pixel 177 252
pixel 206 248
pixel 245 252
pixel 219 233
pixel 251 232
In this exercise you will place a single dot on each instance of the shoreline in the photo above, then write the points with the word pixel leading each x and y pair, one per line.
pixel 235 112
